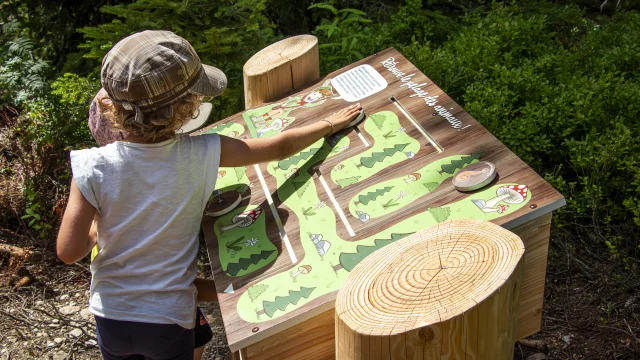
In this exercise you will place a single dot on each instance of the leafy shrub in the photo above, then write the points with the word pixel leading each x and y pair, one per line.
pixel 567 103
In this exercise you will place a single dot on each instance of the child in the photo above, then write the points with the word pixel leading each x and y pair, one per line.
pixel 149 191
pixel 103 133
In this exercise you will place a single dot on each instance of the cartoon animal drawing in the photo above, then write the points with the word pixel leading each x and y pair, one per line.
pixel 221 174
pixel 512 194
pixel 464 175
pixel 321 245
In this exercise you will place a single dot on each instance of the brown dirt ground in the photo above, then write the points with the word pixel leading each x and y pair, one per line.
pixel 592 306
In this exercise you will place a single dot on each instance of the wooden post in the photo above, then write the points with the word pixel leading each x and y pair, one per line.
pixel 280 69
pixel 448 292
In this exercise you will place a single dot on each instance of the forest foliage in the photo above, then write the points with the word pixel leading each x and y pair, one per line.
pixel 557 82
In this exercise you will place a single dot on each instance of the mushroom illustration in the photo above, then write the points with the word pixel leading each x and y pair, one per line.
pixel 233 134
pixel 511 194
pixel 304 269
pixel 221 174
pixel 410 154
pixel 412 177
pixel 243 219
pixel 321 245
pixel 339 167
pixel 293 173
pixel 502 208
pixel 364 217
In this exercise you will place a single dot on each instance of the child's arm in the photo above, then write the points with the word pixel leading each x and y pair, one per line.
pixel 74 241
pixel 235 152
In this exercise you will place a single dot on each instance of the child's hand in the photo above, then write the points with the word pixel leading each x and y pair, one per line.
pixel 343 117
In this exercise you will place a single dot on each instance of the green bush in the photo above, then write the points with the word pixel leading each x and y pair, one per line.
pixel 566 102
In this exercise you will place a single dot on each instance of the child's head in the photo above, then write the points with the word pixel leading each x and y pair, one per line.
pixel 155 82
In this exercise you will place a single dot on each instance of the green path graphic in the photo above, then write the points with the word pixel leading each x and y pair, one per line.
pixel 388 196
pixel 392 145
pixel 328 258
pixel 329 272
pixel 244 248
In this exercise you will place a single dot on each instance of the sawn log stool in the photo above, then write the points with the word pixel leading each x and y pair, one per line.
pixel 450 291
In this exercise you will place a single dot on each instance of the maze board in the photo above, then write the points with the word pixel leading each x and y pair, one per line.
pixel 317 214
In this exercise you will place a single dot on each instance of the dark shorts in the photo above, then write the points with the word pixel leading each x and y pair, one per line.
pixel 120 340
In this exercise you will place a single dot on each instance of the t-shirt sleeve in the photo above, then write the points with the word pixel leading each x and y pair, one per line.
pixel 82 170
pixel 213 161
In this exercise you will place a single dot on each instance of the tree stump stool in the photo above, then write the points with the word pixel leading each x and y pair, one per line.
pixel 280 69
pixel 449 292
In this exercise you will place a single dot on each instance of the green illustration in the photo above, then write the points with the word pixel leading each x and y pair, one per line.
pixel 451 167
pixel 271 119
pixel 328 258
pixel 303 155
pixel 349 260
pixel 387 150
pixel 243 245
pixel 375 157
pixel 257 290
pixel 372 195
pixel 406 189
pixel 281 302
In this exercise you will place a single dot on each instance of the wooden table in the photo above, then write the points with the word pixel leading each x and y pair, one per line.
pixel 305 222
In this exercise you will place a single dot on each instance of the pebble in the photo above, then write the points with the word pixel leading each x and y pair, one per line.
pixel 71 303
pixel 39 302
pixel 91 343
pixel 55 321
pixel 51 344
pixel 63 297
pixel 68 310
pixel 76 295
pixel 75 333
pixel 86 314
pixel 58 340
pixel 60 355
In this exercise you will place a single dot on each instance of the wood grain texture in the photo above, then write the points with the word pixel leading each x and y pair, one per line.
pixel 280 69
pixel 435 278
pixel 472 139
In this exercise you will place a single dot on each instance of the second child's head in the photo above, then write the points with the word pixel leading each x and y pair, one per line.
pixel 154 83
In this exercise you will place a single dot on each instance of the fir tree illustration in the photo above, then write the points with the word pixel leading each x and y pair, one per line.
pixel 440 214
pixel 300 187
pixel 349 260
pixel 431 186
pixel 233 268
pixel 454 165
pixel 364 199
pixel 343 183
pixel 240 172
pixel 303 155
pixel 281 302
pixel 256 290
pixel 378 120
pixel 369 161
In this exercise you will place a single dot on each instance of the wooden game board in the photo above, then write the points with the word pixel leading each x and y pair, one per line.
pixel 319 213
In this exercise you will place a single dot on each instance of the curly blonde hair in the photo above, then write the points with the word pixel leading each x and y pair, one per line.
pixel 155 125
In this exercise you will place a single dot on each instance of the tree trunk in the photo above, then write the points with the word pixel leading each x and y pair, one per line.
pixel 448 292
pixel 281 69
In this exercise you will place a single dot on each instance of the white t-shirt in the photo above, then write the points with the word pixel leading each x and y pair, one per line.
pixel 150 200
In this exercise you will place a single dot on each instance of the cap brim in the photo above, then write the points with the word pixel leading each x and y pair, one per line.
pixel 212 82
pixel 195 124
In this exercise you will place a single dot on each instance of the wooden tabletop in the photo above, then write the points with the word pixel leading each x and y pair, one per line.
pixel 305 222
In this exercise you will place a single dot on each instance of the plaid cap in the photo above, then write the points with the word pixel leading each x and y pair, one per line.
pixel 152 69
